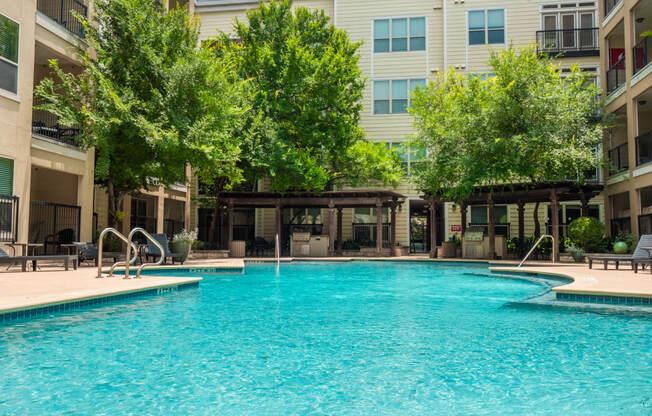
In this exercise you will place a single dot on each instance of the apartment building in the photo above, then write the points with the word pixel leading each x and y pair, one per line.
pixel 46 181
pixel 626 42
pixel 47 192
pixel 405 44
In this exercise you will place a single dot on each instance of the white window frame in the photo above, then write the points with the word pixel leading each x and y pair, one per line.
pixel 390 143
pixel 486 26
pixel 6 93
pixel 390 18
pixel 409 99
pixel 559 11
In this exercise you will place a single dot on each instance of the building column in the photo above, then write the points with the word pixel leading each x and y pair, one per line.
pixel 229 224
pixel 160 210
pixel 331 229
pixel 392 232
pixel 554 206
pixel 379 228
pixel 492 228
pixel 520 206
pixel 433 227
pixel 339 230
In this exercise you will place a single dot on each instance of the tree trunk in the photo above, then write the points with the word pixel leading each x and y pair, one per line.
pixel 537 226
pixel 114 200
pixel 219 187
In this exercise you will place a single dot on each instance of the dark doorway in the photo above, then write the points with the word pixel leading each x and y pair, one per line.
pixel 420 226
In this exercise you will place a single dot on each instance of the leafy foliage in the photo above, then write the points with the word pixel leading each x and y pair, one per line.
pixel 525 124
pixel 304 87
pixel 149 99
pixel 586 233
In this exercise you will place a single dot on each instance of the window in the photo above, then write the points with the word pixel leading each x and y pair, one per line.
pixel 393 97
pixel 6 176
pixel 569 25
pixel 400 35
pixel 486 26
pixel 368 215
pixel 9 31
pixel 410 155
pixel 480 214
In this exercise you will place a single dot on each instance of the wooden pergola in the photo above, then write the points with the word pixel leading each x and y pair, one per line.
pixel 519 194
pixel 335 201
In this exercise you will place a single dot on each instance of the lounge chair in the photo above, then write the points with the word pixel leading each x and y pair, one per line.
pixel 640 256
pixel 89 251
pixel 154 252
pixel 23 260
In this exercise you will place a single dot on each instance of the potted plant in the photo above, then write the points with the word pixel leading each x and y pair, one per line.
pixel 458 250
pixel 575 252
pixel 622 243
pixel 183 241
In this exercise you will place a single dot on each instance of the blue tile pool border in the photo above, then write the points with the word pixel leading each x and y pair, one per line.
pixel 604 299
pixel 77 304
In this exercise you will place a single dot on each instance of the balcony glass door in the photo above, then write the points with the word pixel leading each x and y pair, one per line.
pixel 568 33
pixel 551 40
pixel 587 40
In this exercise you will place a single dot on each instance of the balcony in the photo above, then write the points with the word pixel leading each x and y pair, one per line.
pixel 569 42
pixel 644 148
pixel 62 12
pixel 47 125
pixel 642 54
pixel 616 75
pixel 618 159
pixel 609 5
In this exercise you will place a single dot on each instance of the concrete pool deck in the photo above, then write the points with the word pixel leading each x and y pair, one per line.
pixel 53 286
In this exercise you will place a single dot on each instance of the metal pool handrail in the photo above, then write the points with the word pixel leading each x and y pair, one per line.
pixel 277 249
pixel 535 246
pixel 100 249
pixel 153 240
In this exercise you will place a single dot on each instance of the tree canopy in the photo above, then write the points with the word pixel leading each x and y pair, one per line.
pixel 523 122
pixel 149 99
pixel 304 88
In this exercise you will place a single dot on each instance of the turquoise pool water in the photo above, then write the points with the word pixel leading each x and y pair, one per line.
pixel 354 338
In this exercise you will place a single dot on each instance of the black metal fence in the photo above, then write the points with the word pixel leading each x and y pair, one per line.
pixel 641 54
pixel 644 148
pixel 366 232
pixel 616 75
pixel 147 223
pixel 621 225
pixel 618 158
pixel 47 124
pixel 570 42
pixel 53 224
pixel 8 218
pixel 61 11
pixel 645 224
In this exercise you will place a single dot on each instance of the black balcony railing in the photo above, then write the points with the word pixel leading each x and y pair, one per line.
pixel 616 75
pixel 644 148
pixel 618 159
pixel 366 232
pixel 8 218
pixel 621 225
pixel 47 124
pixel 569 42
pixel 609 5
pixel 63 12
pixel 641 54
pixel 53 224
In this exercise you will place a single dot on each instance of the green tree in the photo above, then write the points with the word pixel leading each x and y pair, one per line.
pixel 304 87
pixel 150 100
pixel 525 124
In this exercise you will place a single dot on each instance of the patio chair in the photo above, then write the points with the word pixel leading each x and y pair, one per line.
pixel 65 236
pixel 23 260
pixel 154 252
pixel 260 246
pixel 640 255
pixel 89 252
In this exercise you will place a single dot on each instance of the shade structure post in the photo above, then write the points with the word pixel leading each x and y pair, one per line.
pixel 554 208
pixel 331 229
pixel 339 230
pixel 229 224
pixel 492 228
pixel 520 205
pixel 463 214
pixel 433 227
pixel 379 228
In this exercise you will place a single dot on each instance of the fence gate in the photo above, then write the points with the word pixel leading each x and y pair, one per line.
pixel 53 223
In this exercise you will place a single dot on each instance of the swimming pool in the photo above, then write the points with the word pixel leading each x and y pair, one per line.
pixel 330 338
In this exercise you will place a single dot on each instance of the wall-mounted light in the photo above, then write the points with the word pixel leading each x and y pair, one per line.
pixel 642 102
pixel 640 19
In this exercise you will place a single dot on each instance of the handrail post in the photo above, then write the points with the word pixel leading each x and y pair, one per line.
pixel 100 250
pixel 535 246
pixel 153 240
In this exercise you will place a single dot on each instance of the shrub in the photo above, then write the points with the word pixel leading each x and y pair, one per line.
pixel 586 233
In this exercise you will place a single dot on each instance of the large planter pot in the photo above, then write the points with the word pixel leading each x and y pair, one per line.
pixel 400 251
pixel 181 247
pixel 620 247
pixel 448 248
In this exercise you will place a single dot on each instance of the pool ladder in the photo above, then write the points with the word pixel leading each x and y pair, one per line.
pixel 535 246
pixel 130 246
